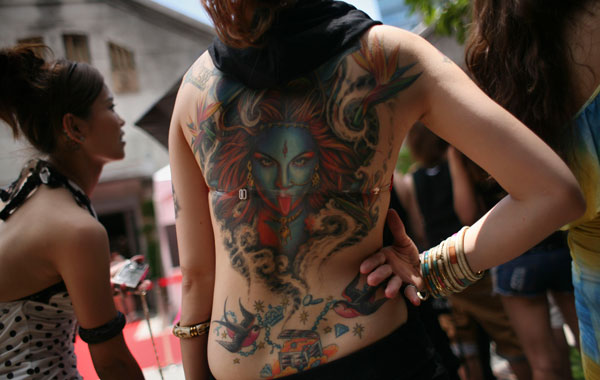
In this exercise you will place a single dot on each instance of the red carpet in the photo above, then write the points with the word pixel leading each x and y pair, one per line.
pixel 166 344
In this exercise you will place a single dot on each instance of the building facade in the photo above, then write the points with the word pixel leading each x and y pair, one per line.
pixel 142 49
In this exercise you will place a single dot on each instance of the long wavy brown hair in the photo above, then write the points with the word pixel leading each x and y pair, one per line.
pixel 243 23
pixel 518 54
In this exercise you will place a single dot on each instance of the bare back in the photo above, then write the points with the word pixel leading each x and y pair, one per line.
pixel 298 182
pixel 50 239
pixel 32 241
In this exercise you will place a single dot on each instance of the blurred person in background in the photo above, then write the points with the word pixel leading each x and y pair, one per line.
pixel 540 60
pixel 432 191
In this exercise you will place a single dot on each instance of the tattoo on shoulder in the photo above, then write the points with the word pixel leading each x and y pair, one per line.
pixel 199 76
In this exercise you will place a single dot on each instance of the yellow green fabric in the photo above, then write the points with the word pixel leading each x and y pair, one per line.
pixel 584 237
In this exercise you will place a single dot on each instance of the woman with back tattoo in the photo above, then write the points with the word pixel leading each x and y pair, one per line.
pixel 282 144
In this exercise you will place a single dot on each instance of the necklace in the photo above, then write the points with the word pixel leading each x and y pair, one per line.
pixel 284 228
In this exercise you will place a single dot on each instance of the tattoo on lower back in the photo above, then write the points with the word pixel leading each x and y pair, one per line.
pixel 244 332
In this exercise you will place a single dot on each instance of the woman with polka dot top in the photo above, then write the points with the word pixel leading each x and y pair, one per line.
pixel 54 254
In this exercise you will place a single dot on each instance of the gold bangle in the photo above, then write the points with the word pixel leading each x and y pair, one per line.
pixel 186 332
pixel 451 276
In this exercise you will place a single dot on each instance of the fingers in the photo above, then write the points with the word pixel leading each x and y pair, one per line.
pixel 379 275
pixel 372 262
pixel 393 287
pixel 410 292
pixel 145 285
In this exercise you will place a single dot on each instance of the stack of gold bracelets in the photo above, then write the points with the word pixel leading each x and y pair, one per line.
pixel 445 268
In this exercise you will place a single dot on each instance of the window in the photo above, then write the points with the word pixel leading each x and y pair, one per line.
pixel 40 52
pixel 76 48
pixel 122 64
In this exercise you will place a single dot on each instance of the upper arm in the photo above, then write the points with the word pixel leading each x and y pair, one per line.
pixel 445 99
pixel 84 267
pixel 460 113
pixel 543 193
pixel 193 221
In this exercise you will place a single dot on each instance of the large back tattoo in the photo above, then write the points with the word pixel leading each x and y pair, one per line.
pixel 292 183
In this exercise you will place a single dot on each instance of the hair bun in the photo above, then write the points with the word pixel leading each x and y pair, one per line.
pixel 20 73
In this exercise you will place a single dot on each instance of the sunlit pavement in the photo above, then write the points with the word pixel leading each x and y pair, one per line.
pixel 172 372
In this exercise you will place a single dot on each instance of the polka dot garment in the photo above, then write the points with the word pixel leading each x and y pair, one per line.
pixel 36 339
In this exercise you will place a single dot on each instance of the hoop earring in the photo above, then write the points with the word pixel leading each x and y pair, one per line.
pixel 71 143
pixel 250 178
pixel 315 177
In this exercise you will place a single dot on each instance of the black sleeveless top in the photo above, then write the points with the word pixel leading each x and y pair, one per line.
pixel 433 189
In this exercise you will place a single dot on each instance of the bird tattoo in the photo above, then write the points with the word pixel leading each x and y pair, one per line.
pixel 242 334
pixel 358 301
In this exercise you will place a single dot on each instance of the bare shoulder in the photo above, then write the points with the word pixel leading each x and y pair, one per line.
pixel 65 225
pixel 410 48
pixel 200 73
pixel 82 230
pixel 406 43
pixel 195 98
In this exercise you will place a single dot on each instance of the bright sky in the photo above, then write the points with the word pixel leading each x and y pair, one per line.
pixel 193 9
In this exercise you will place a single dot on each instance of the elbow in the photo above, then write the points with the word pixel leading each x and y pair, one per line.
pixel 571 202
pixel 195 281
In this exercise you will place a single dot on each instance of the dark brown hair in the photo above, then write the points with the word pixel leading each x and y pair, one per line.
pixel 243 23
pixel 518 54
pixel 35 94
pixel 425 146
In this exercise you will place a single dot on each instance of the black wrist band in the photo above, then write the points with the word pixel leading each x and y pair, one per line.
pixel 104 332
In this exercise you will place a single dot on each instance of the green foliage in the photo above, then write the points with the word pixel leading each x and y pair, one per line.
pixel 404 161
pixel 148 208
pixel 451 17
pixel 576 368
pixel 149 232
